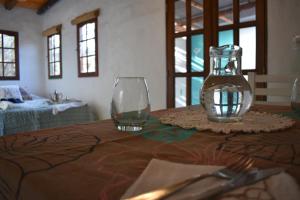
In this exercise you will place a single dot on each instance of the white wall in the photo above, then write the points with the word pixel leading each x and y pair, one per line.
pixel 283 25
pixel 29 27
pixel 131 43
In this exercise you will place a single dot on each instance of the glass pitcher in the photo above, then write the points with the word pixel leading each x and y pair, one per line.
pixel 226 95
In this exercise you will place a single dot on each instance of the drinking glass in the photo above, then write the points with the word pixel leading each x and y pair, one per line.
pixel 130 105
pixel 295 98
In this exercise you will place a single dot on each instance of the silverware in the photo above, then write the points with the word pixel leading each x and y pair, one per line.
pixel 239 181
pixel 242 165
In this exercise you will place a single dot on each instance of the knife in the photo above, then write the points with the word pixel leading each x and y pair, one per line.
pixel 237 182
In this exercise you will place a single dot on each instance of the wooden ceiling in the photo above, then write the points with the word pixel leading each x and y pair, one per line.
pixel 40 6
pixel 32 4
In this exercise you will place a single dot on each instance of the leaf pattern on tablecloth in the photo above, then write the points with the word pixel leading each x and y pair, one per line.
pixel 32 154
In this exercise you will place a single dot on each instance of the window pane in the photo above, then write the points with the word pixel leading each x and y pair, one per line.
pixel 180 92
pixel 1 55
pixel 91 47
pixel 57 55
pixel 225 37
pixel 90 30
pixel 57 69
pixel 180 54
pixel 51 55
pixel 52 73
pixel 9 55
pixel 92 64
pixel 51 45
pixel 247 10
pixel 0 40
pixel 248 43
pixel 9 70
pixel 8 41
pixel 1 70
pixel 197 14
pixel 197 83
pixel 83 65
pixel 197 53
pixel 225 12
pixel 56 41
pixel 83 49
pixel 180 16
pixel 82 32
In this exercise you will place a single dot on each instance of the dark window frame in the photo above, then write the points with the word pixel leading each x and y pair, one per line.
pixel 60 55
pixel 210 32
pixel 88 74
pixel 16 36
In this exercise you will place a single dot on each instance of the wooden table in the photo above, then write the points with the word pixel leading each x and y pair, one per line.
pixel 94 161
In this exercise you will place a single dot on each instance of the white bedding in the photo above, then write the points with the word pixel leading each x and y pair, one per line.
pixel 42 103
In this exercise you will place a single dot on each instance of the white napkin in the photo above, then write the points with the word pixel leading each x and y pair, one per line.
pixel 160 173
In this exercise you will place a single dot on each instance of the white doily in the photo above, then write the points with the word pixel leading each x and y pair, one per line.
pixel 253 122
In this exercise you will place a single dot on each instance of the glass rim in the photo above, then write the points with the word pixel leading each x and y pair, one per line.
pixel 226 51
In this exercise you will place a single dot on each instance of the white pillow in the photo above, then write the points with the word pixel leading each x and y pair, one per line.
pixel 10 91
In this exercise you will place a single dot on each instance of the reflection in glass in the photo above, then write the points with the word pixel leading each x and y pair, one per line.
pixel 247 10
pixel 197 14
pixel 51 44
pixel 0 40
pixel 83 65
pixel 90 30
pixel 52 73
pixel 180 54
pixel 57 57
pixel 1 55
pixel 51 55
pixel 9 55
pixel 180 92
pixel 91 64
pixel 197 53
pixel 91 47
pixel 8 41
pixel 57 68
pixel 248 43
pixel 83 49
pixel 225 12
pixel 82 32
pixel 9 69
pixel 56 41
pixel 197 83
pixel 226 37
pixel 180 16
pixel 1 69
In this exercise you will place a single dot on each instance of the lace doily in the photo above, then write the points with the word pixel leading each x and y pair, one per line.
pixel 253 122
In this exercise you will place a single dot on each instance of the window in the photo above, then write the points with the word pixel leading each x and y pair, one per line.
pixel 9 55
pixel 195 25
pixel 87 48
pixel 54 56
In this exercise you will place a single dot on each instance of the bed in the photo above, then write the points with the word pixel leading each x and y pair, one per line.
pixel 40 113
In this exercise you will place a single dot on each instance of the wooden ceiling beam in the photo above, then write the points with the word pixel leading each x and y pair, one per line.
pixel 10 4
pixel 46 6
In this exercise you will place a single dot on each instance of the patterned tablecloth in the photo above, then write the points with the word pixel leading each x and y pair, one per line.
pixel 95 161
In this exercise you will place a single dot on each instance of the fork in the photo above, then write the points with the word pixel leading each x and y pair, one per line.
pixel 242 165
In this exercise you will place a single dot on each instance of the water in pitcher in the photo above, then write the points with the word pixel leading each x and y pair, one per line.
pixel 226 98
